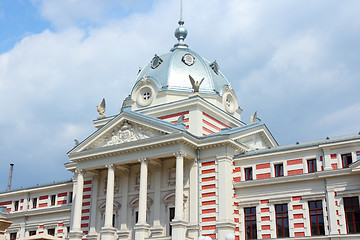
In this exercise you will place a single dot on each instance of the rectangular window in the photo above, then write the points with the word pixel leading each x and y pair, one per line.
pixel 171 217
pixel 51 231
pixel 16 206
pixel 346 160
pixel 248 174
pixel 70 197
pixel 52 200
pixel 34 202
pixel 352 214
pixel 282 220
pixel 32 233
pixel 250 223
pixel 311 165
pixel 316 218
pixel 13 236
pixel 279 170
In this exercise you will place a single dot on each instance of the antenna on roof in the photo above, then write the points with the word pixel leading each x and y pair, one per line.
pixel 10 176
pixel 180 9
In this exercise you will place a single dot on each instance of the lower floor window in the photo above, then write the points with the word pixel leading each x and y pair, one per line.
pixel 352 214
pixel 316 218
pixel 282 220
pixel 12 236
pixel 250 223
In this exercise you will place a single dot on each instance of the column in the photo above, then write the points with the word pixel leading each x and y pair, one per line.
pixel 178 224
pixel 225 224
pixel 92 233
pixel 141 227
pixel 157 229
pixel 108 231
pixel 124 231
pixel 330 202
pixel 75 232
pixel 193 227
pixel 327 160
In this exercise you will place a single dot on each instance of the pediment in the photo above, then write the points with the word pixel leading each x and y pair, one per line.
pixel 123 129
pixel 124 133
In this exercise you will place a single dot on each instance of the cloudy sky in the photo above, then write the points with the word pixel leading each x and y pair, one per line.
pixel 295 62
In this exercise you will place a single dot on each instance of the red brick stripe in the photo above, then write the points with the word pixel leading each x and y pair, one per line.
pixel 208 186
pixel 204 164
pixel 296 198
pixel 296 207
pixel 211 125
pixel 298 225
pixel 214 119
pixel 173 115
pixel 211 210
pixel 206 179
pixel 334 166
pixel 265 227
pixel 208 219
pixel 263 175
pixel 208 171
pixel 295 172
pixel 87 189
pixel 210 194
pixel 262 166
pixel 266 218
pixel 264 201
pixel 333 156
pixel 5 203
pixel 210 227
pixel 43 197
pixel 299 234
pixel 206 203
pixel 207 130
pixel 295 161
pixel 298 216
pixel 61 202
pixel 87 182
pixel 62 194
pixel 86 203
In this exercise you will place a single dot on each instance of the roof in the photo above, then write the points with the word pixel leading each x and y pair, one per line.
pixel 38 186
pixel 315 143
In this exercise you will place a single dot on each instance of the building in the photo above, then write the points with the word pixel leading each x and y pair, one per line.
pixel 177 162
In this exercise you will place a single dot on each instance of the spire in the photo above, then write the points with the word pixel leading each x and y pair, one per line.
pixel 180 32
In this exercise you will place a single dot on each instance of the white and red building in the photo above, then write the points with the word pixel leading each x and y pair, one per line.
pixel 178 164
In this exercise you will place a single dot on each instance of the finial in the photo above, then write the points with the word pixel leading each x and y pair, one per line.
pixel 180 32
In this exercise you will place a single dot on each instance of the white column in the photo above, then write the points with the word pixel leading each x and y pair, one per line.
pixel 107 232
pixel 193 227
pixel 330 202
pixel 124 231
pixel 157 229
pixel 75 232
pixel 225 224
pixel 178 224
pixel 95 184
pixel 141 227
pixel 327 160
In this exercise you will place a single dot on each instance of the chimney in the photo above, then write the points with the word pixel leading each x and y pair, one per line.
pixel 10 176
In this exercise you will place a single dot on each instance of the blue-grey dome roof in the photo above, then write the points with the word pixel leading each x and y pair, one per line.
pixel 171 71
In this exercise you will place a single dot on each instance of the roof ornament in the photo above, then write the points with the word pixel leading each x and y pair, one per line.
pixel 215 67
pixel 180 32
pixel 195 85
pixel 254 118
pixel 101 109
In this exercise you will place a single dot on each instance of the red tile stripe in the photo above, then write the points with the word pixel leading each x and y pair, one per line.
pixel 295 172
pixel 211 210
pixel 204 164
pixel 208 171
pixel 62 194
pixel 210 194
pixel 173 115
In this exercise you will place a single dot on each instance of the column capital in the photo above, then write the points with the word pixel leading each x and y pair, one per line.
pixel 224 158
pixel 142 160
pixel 79 171
pixel 109 166
pixel 179 154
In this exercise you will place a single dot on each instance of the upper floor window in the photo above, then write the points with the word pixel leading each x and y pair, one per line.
pixel 316 218
pixel 34 202
pixel 282 220
pixel 311 165
pixel 250 223
pixel 70 197
pixel 32 233
pixel 51 231
pixel 279 170
pixel 346 159
pixel 352 214
pixel 16 205
pixel 248 174
pixel 52 200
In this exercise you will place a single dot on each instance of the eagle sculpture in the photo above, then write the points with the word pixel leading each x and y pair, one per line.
pixel 195 85
pixel 101 109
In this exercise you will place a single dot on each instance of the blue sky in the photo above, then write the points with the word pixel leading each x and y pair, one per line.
pixel 295 62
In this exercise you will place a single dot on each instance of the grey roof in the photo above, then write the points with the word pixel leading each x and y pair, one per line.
pixel 173 74
pixel 301 145
pixel 38 186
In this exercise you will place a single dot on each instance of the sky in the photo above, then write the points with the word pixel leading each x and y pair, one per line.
pixel 294 62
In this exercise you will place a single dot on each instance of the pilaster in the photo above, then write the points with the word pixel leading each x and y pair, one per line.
pixel 75 232
pixel 124 232
pixel 92 232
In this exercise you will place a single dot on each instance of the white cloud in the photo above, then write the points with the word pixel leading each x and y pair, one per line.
pixel 285 59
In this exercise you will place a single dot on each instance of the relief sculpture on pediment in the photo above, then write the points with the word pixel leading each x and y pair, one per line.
pixel 128 133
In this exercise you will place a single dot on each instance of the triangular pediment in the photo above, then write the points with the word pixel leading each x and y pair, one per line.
pixel 127 127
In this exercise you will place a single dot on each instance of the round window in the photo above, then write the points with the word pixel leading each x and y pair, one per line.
pixel 145 96
pixel 230 102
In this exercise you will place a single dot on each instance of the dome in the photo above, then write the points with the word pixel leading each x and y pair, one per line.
pixel 171 71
